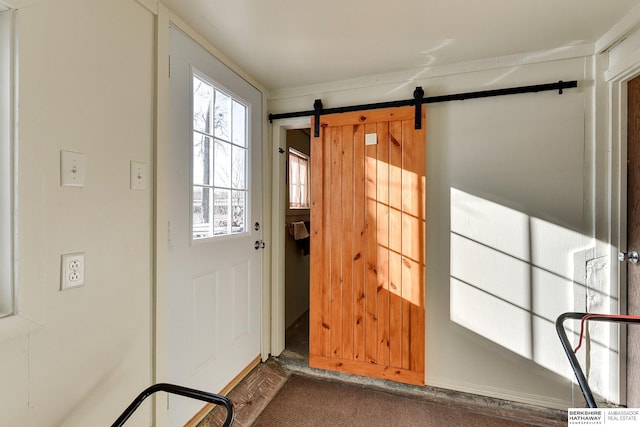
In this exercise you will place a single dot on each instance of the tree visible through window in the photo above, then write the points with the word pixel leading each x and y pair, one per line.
pixel 219 161
pixel 298 180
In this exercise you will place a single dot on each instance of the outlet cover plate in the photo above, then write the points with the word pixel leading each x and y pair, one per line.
pixel 72 271
pixel 138 175
pixel 72 168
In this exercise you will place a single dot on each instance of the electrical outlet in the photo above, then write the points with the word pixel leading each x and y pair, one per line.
pixel 72 271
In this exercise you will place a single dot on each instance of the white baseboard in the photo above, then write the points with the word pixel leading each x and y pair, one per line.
pixel 509 395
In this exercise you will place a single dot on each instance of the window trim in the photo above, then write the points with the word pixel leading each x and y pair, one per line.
pixel 196 73
pixel 8 153
pixel 307 158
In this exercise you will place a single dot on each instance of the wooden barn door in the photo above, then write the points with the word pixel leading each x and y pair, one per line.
pixel 368 245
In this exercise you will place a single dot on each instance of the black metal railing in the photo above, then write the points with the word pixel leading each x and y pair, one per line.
pixel 573 360
pixel 181 391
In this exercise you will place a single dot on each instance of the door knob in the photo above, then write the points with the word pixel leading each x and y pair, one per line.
pixel 631 257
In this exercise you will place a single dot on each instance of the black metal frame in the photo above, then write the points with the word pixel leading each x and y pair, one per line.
pixel 419 99
pixel 179 390
pixel 573 360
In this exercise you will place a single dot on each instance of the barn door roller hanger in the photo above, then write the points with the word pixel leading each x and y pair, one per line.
pixel 419 99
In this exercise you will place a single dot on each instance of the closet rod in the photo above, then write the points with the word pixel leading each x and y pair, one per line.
pixel 418 100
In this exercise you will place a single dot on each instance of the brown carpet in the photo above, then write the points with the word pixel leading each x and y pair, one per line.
pixel 306 402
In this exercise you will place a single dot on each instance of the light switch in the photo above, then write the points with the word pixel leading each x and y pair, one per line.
pixel 72 168
pixel 371 139
pixel 138 175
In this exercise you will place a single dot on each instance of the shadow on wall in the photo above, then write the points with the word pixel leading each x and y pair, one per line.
pixel 513 274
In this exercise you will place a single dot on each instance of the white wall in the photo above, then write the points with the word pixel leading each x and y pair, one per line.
pixel 508 225
pixel 86 84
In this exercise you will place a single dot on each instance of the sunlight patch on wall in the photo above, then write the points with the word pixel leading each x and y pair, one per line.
pixel 495 319
pixel 512 275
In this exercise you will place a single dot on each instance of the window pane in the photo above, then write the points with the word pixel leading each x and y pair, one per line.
pixel 293 170
pixel 238 168
pixel 222 164
pixel 302 171
pixel 221 212
pixel 202 100
pixel 201 159
pixel 239 124
pixel 298 180
pixel 294 199
pixel 202 224
pixel 219 162
pixel 239 201
pixel 223 116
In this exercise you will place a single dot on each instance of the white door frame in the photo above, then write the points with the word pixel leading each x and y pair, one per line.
pixel 278 196
pixel 617 99
pixel 614 83
pixel 618 135
pixel 164 19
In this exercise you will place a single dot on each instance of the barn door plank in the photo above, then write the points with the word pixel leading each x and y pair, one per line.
pixel 395 244
pixel 371 249
pixel 359 309
pixel 382 243
pixel 348 238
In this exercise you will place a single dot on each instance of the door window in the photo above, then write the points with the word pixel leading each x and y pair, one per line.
pixel 219 168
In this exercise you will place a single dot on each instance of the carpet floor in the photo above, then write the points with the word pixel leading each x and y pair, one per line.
pixel 309 402
pixel 285 391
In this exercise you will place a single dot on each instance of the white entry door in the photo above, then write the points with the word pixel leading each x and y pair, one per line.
pixel 215 203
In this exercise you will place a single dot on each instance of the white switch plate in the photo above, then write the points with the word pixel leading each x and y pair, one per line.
pixel 371 139
pixel 72 271
pixel 138 175
pixel 72 168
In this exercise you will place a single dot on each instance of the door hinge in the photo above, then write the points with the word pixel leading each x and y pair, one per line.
pixel 169 66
